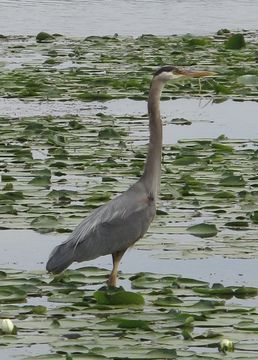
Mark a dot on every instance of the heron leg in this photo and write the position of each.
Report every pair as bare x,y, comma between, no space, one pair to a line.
116,256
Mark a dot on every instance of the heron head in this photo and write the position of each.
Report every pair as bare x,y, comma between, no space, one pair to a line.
167,73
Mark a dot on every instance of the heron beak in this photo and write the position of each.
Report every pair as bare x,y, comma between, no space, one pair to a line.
196,74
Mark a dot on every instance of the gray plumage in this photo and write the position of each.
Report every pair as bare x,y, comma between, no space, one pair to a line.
112,227
117,225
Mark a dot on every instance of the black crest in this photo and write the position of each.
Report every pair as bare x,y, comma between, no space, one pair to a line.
165,69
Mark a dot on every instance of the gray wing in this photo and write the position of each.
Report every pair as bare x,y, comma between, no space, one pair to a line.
112,227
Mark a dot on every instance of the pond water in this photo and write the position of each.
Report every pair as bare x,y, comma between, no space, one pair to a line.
208,120
126,17
229,259
37,247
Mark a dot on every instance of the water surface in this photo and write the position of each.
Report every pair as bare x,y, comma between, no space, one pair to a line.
27,250
126,17
236,120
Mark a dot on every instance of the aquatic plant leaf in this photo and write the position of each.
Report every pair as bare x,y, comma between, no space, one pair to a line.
83,164
244,292
232,180
237,224
162,354
225,148
34,127
11,294
168,301
132,324
203,230
71,297
248,80
224,195
7,209
44,37
39,310
197,41
7,178
235,42
44,223
40,180
186,160
216,290
254,216
108,133
122,297
181,121
12,195
247,326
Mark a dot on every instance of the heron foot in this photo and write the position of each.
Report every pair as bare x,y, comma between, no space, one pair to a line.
116,256
112,280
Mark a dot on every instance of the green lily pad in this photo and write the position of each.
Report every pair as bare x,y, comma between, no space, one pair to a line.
7,209
132,324
7,178
168,301
11,294
235,42
108,133
40,181
186,160
254,216
203,230
248,80
44,223
44,37
162,354
120,297
233,180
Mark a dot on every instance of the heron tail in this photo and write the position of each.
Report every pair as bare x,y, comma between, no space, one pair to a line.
60,258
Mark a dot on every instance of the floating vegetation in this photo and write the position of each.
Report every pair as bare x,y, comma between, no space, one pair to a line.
90,69
44,37
166,311
235,42
45,192
56,169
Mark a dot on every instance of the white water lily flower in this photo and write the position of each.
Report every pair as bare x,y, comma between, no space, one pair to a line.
226,345
7,326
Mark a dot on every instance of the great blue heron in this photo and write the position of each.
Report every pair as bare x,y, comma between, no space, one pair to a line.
114,227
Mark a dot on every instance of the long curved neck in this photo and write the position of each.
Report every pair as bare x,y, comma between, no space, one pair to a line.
152,170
